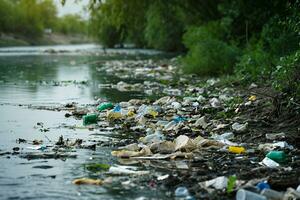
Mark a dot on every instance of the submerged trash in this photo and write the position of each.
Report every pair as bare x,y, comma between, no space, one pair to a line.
90,119
82,181
123,170
94,167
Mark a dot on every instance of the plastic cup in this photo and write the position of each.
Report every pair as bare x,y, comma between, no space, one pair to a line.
247,195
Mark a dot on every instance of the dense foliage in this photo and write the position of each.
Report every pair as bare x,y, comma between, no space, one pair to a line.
258,40
30,18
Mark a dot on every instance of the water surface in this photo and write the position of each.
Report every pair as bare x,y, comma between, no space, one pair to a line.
31,76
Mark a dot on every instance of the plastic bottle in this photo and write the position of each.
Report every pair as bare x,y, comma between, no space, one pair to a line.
272,194
90,119
247,195
104,106
278,156
238,150
263,185
178,119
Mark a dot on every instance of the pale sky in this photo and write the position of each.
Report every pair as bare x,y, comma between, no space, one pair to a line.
72,7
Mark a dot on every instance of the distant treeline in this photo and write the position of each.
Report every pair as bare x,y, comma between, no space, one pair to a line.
33,18
256,39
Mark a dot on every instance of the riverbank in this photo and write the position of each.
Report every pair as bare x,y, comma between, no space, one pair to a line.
7,40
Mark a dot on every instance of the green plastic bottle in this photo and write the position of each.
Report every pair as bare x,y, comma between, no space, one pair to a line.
90,119
104,106
277,156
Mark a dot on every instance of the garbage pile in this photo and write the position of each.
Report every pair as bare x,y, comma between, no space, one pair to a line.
174,129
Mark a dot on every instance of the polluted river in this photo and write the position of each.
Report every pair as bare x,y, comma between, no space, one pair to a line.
81,122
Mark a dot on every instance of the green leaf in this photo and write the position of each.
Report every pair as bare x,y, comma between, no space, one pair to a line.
231,183
95,167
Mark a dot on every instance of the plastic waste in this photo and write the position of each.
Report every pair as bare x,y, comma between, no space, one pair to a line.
247,195
298,188
181,192
164,147
115,113
277,156
144,110
218,183
201,122
200,98
183,142
215,103
275,136
163,177
88,181
283,144
104,106
291,194
239,128
127,153
130,113
170,126
155,137
178,119
181,164
176,105
119,170
227,135
39,147
269,163
90,119
117,108
263,185
236,149
149,131
272,194
252,98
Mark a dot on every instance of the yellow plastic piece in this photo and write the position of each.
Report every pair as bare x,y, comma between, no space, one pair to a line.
237,150
114,115
252,98
130,113
153,113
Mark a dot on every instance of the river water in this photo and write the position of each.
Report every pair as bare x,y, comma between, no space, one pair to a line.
35,76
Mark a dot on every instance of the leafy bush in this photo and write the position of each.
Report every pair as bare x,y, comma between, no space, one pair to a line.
208,54
287,75
254,64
